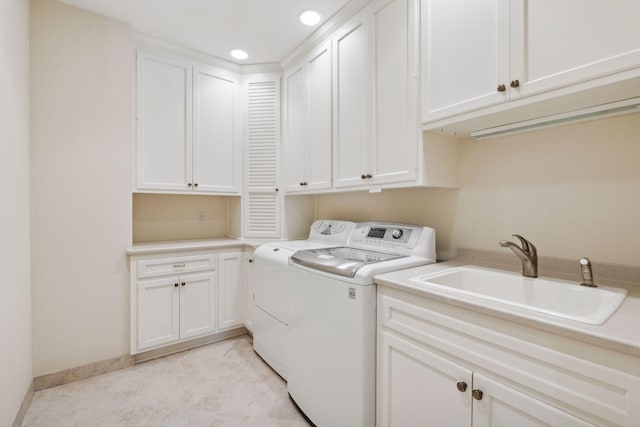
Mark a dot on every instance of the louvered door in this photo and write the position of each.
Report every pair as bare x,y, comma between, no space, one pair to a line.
262,207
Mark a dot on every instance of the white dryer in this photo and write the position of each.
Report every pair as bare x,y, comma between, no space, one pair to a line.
272,288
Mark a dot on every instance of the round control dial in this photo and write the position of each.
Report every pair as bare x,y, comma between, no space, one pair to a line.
397,233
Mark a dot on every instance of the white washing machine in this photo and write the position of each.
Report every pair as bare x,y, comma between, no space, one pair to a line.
332,325
272,288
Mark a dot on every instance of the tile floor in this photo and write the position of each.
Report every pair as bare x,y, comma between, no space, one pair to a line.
222,384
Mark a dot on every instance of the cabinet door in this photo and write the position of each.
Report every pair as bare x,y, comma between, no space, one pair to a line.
351,103
294,143
395,141
158,311
230,290
465,55
163,123
318,119
501,405
555,44
420,388
216,142
262,205
249,280
197,304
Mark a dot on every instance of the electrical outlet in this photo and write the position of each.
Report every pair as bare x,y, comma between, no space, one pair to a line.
202,217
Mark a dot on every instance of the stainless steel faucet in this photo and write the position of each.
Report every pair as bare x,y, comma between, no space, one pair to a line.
527,254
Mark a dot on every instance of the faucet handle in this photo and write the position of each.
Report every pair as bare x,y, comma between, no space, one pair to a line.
527,246
587,273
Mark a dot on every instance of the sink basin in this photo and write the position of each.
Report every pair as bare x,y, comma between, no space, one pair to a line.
560,298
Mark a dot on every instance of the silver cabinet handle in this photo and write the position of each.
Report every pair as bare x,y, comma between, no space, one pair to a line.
183,265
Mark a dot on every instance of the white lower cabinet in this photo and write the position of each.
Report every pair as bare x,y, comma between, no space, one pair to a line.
418,387
180,296
423,388
231,291
197,304
436,369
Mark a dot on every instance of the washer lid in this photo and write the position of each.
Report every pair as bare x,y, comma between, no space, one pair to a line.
344,261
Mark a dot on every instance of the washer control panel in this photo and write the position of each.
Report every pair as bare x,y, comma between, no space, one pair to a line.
393,236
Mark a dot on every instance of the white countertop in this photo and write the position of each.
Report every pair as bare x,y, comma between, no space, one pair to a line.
187,245
621,332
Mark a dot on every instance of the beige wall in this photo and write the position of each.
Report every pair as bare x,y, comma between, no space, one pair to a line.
159,217
82,75
15,300
573,190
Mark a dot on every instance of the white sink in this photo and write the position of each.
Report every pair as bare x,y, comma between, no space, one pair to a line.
560,298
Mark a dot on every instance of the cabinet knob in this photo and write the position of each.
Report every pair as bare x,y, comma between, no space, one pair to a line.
369,176
477,394
175,284
363,176
502,88
277,189
462,386
195,185
183,283
189,184
515,83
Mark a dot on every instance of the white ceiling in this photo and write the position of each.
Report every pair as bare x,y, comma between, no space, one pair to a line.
267,29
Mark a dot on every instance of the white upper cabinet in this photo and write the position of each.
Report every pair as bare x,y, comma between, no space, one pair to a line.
187,127
376,132
318,116
216,131
307,141
294,144
351,103
163,123
394,157
465,55
357,97
482,53
555,44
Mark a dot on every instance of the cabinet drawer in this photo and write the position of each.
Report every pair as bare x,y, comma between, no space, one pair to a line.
175,265
576,382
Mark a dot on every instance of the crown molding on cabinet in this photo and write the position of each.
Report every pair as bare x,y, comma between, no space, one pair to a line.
145,41
324,31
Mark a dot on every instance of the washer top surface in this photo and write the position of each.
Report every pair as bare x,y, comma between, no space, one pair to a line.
341,260
372,248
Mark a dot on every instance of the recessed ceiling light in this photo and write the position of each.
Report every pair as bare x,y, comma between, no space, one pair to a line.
310,17
239,54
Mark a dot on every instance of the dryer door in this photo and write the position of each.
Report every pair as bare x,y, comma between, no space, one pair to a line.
272,281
